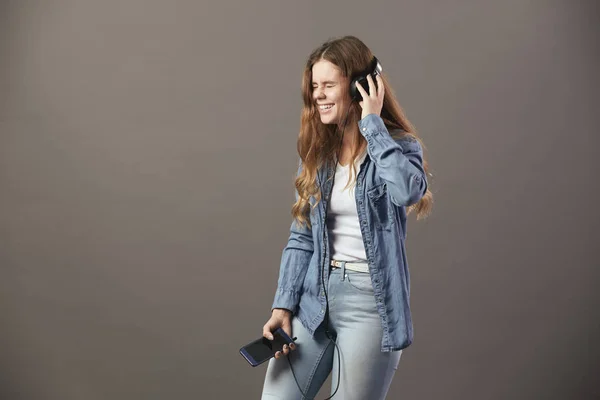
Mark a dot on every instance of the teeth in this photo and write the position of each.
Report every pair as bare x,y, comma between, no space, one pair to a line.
326,107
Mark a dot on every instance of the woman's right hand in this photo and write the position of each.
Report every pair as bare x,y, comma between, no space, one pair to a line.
280,318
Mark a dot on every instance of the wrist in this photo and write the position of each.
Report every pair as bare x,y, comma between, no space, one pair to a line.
366,114
281,311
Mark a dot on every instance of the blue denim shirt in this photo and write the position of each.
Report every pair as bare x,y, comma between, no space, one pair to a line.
391,178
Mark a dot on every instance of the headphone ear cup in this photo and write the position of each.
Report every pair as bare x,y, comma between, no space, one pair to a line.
362,80
354,93
354,90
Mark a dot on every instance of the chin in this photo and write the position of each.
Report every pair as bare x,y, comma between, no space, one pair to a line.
328,121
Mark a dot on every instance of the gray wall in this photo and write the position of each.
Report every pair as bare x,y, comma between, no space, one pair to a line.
147,155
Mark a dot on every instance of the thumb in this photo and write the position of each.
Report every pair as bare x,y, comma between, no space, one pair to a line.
267,331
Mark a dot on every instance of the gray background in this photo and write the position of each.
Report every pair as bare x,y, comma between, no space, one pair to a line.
147,155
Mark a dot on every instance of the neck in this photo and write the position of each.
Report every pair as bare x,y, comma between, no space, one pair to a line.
350,136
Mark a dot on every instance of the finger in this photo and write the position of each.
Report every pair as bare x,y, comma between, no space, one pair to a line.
277,354
286,350
372,90
380,87
292,346
361,90
267,331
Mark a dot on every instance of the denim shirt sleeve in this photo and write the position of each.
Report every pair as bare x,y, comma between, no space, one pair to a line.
399,162
294,263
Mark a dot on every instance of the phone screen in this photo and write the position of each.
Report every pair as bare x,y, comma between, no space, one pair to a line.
263,349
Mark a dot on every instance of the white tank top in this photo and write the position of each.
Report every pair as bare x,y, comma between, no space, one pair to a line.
345,237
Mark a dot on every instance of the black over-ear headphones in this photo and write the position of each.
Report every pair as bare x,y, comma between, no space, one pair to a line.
374,70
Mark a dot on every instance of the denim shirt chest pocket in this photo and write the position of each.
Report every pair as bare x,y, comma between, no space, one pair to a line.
381,207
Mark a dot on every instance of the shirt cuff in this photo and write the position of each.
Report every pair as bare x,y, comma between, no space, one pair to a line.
371,124
285,299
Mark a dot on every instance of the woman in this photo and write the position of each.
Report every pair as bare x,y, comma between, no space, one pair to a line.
354,188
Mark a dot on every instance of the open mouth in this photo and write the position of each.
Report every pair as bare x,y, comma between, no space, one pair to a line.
325,107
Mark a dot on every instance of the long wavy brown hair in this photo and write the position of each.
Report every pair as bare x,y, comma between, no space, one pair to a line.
318,143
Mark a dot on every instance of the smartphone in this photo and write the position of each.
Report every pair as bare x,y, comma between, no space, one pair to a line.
260,350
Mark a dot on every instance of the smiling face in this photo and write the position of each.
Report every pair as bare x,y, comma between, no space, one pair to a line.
330,92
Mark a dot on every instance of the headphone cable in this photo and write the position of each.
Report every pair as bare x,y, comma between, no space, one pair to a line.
327,333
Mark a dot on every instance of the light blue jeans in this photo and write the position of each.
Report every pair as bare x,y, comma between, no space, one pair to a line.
365,372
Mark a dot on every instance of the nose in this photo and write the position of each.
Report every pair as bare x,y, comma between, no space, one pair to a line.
319,93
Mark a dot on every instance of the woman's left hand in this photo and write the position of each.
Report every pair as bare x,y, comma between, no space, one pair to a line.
372,103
